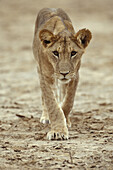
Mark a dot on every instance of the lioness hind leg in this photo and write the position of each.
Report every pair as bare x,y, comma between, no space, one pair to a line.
68,121
62,99
45,117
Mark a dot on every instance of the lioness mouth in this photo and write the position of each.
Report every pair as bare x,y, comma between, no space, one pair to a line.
64,80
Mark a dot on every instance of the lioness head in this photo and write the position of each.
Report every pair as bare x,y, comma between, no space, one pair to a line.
64,51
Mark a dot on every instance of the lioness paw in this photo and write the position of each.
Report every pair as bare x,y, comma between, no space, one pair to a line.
54,135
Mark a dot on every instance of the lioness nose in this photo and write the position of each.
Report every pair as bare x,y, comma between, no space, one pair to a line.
64,73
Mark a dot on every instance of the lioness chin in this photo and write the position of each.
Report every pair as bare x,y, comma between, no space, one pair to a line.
58,50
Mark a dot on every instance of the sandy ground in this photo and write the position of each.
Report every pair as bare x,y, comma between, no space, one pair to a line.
23,143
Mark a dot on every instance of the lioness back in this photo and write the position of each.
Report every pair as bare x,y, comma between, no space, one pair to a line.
52,15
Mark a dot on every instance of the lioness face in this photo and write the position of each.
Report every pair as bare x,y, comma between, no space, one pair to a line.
64,51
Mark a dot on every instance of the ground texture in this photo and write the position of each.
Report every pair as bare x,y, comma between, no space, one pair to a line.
23,143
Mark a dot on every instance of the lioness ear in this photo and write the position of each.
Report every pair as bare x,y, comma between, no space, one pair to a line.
46,37
83,37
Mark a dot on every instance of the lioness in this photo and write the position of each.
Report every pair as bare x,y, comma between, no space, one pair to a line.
58,50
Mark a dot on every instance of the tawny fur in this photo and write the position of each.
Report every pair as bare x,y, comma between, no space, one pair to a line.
53,46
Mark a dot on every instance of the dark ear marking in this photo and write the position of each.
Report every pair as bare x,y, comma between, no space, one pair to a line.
47,42
83,37
83,41
46,37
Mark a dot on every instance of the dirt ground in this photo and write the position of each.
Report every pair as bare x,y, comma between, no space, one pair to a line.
23,143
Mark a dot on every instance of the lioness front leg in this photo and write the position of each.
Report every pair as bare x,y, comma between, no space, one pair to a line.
69,99
58,122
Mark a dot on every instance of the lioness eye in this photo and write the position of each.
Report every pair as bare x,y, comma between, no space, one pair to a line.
56,53
73,53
